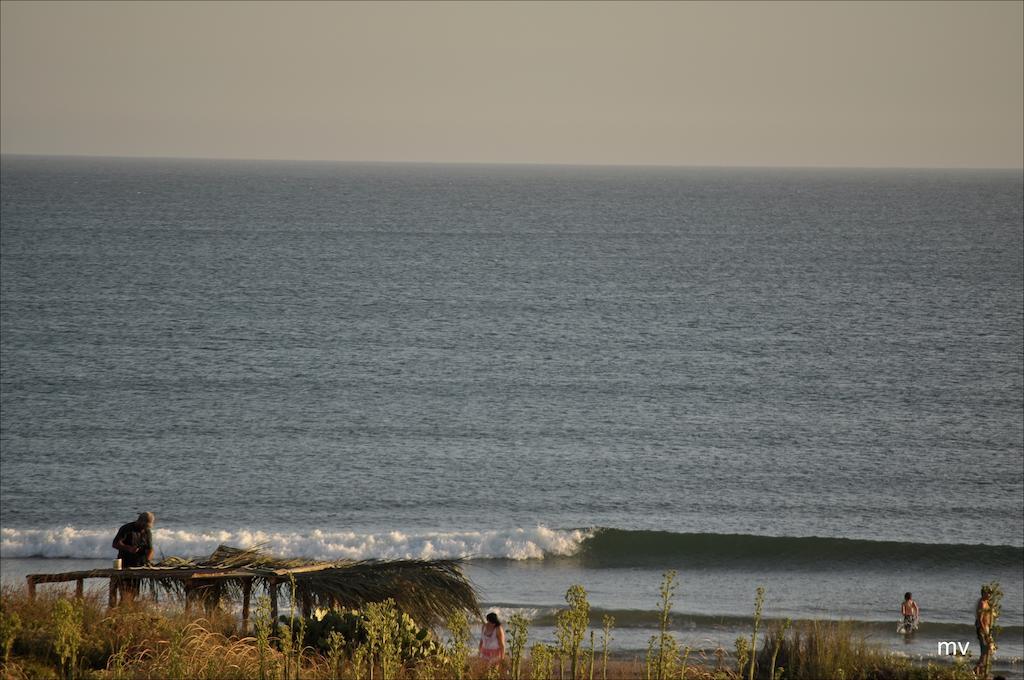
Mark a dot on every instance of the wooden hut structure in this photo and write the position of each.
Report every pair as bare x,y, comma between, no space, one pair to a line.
427,590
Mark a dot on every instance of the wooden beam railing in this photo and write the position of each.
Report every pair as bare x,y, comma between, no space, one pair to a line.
192,578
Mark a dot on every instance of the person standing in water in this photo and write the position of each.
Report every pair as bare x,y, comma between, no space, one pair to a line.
983,627
911,614
492,640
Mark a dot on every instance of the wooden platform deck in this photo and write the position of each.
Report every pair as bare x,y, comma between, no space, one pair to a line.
429,591
193,580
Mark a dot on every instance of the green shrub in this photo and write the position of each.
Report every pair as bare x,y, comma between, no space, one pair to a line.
518,633
458,646
10,626
662,650
67,634
758,608
572,626
606,639
542,658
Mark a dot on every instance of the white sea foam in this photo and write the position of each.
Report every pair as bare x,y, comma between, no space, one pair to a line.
506,612
513,544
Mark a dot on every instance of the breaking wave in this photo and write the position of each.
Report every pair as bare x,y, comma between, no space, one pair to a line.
512,544
593,547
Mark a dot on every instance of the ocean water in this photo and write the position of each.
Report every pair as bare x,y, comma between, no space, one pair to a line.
809,380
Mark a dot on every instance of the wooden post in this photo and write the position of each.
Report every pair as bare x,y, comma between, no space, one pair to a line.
211,595
272,587
246,597
188,596
306,603
79,588
112,595
31,582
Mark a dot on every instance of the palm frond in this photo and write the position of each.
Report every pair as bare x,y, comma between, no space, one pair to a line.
429,591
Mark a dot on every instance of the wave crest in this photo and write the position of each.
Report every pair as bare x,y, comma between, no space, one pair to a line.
592,547
512,544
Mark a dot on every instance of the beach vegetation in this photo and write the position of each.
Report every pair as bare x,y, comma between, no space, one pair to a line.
335,652
57,636
518,636
10,626
175,655
588,658
682,662
773,670
67,634
262,625
571,628
292,644
457,652
607,623
118,663
742,655
810,650
662,650
542,662
758,609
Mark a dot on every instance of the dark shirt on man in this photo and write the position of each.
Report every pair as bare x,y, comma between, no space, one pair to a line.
131,534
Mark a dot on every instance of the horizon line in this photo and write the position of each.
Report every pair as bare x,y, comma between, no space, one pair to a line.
513,163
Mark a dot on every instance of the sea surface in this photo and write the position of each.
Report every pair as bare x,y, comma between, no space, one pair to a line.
807,380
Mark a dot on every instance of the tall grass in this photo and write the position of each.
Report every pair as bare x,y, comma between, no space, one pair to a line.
772,667
383,628
518,636
68,618
811,650
608,622
542,662
758,608
57,636
335,652
572,624
458,647
10,627
663,651
263,627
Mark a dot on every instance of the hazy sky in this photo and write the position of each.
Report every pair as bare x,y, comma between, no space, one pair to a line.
862,84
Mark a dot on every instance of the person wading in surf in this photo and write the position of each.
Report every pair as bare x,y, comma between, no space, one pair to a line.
911,614
983,627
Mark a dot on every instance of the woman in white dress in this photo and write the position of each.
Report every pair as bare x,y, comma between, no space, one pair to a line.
492,639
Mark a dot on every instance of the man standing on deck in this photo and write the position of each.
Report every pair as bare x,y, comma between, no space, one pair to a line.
134,541
134,545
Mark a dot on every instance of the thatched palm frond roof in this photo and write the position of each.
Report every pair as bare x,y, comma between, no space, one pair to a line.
429,591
